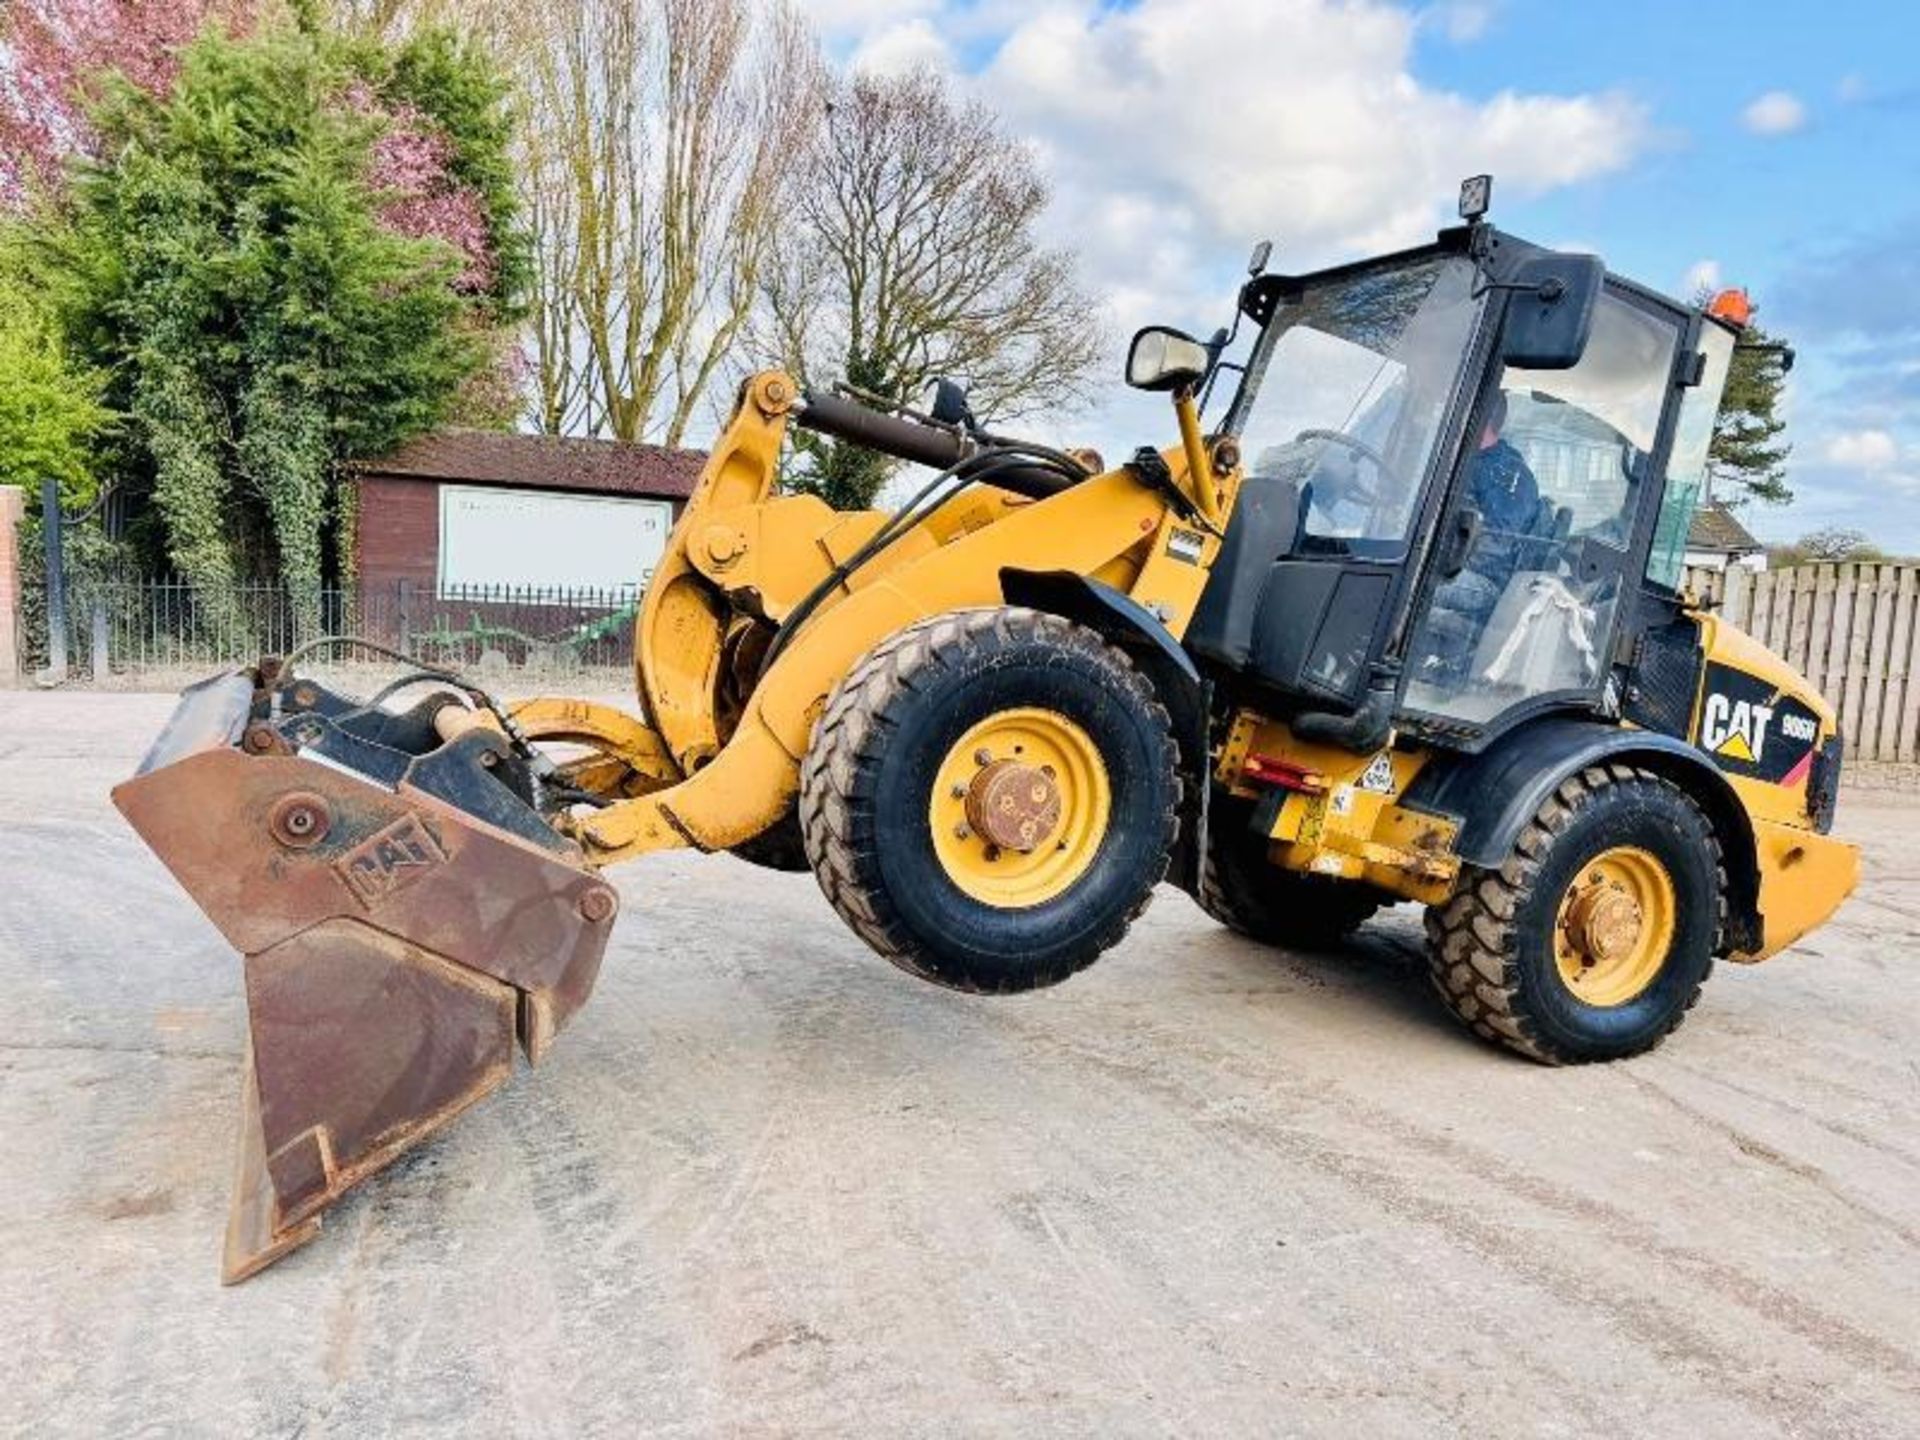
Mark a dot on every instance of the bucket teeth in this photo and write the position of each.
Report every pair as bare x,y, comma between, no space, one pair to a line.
398,938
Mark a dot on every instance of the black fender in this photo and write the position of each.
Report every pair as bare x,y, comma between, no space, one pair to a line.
1123,621
1493,795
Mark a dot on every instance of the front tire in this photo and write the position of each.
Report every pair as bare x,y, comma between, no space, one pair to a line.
1592,940
990,797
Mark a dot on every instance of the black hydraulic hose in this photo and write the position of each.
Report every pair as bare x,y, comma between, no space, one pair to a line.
943,450
423,670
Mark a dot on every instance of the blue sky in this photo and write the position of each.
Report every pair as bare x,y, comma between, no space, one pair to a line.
1771,145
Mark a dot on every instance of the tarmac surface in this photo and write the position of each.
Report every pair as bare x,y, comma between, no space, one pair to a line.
766,1184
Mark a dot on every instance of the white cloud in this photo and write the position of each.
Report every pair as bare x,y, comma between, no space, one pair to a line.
1177,132
1778,112
1871,450
1310,128
898,49
1701,275
1309,123
852,17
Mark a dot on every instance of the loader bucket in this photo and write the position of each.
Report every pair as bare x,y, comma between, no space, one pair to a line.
403,914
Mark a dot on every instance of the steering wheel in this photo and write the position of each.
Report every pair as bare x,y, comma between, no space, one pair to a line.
1364,493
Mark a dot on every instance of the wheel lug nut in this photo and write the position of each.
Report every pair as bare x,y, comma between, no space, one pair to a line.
983,756
959,791
962,831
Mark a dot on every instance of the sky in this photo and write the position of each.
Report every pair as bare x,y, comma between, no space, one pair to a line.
1772,144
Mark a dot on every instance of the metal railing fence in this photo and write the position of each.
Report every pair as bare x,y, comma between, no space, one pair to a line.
129,632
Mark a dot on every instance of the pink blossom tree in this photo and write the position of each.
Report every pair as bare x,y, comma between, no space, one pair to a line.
410,171
52,56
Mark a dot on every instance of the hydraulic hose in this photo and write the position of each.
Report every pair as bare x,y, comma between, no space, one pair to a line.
855,423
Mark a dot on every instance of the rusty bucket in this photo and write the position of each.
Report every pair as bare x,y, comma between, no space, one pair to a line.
403,911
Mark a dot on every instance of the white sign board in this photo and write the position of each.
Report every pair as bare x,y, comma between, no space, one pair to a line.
533,539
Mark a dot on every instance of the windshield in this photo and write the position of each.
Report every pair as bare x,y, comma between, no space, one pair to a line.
1346,390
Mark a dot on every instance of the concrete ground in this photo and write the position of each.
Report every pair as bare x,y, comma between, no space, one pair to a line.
767,1184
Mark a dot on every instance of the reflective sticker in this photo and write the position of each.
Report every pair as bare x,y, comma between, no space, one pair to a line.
1378,776
1341,801
1185,545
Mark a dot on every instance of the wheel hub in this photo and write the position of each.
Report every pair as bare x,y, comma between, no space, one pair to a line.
1019,807
1604,923
1013,805
1615,926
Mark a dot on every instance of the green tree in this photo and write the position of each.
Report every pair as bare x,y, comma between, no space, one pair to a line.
298,256
1747,459
52,414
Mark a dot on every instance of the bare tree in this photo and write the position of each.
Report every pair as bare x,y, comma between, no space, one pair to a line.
656,145
1831,546
913,253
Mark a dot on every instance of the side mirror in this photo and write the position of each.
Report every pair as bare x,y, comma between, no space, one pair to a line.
946,401
1164,359
1551,313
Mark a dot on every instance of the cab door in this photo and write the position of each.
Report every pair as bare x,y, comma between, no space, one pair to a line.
1545,534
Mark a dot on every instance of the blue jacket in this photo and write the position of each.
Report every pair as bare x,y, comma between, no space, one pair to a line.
1507,496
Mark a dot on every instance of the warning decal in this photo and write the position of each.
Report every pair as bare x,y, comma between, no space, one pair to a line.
1378,776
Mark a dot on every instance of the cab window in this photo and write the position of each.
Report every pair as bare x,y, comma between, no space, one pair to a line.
1553,485
1353,376
1687,465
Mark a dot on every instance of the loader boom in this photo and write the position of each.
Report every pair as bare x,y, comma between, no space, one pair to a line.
736,553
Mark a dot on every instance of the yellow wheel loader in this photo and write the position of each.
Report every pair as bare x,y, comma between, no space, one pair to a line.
1399,619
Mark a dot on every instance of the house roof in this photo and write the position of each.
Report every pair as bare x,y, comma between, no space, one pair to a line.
1717,530
543,462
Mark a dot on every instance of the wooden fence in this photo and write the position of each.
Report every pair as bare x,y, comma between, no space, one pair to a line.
1853,630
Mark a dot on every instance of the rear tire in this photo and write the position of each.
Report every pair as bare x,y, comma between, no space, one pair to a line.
927,715
1509,953
1248,893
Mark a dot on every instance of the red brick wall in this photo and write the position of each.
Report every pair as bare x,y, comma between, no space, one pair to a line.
13,508
399,533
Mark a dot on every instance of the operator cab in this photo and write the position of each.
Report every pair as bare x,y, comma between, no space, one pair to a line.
1467,467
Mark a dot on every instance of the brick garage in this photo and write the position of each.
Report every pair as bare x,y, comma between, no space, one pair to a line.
403,497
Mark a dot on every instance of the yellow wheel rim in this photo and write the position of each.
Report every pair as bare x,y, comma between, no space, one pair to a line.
1615,926
1019,807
